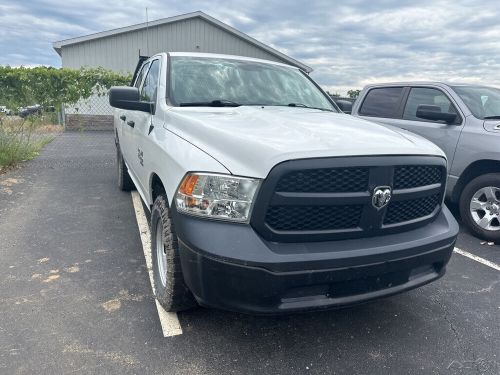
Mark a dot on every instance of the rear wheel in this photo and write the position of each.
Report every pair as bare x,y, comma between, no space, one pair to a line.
125,183
171,291
480,206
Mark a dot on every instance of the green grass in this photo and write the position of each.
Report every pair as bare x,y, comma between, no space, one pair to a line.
20,141
14,150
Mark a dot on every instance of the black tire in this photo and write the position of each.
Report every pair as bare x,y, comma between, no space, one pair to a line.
174,295
492,179
125,183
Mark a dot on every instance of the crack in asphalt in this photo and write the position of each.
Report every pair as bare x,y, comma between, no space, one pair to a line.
464,348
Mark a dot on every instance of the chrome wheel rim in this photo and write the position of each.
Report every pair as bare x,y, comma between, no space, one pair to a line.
485,208
161,256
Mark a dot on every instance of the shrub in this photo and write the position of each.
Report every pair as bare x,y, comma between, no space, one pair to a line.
21,139
50,86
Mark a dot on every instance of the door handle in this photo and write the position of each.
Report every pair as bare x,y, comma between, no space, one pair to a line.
131,124
123,117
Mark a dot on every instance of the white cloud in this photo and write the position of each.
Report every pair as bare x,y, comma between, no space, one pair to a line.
348,45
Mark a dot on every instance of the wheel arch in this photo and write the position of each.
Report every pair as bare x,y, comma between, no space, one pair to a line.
473,170
156,187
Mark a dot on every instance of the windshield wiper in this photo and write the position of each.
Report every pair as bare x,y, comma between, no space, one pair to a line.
497,117
213,103
306,106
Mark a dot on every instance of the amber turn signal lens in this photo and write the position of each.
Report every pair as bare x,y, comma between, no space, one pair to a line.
188,184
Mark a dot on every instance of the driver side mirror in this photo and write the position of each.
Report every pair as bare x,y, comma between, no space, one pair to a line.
433,113
125,97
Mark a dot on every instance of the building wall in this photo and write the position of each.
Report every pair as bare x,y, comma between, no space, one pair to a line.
120,52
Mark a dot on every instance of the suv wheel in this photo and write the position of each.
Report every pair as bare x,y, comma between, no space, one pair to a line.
125,183
171,291
480,206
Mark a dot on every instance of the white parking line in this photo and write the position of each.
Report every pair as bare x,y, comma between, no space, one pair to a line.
477,259
169,321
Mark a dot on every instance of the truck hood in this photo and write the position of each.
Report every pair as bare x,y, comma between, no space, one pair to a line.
250,141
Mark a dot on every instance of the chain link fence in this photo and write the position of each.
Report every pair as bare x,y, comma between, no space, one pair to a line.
93,113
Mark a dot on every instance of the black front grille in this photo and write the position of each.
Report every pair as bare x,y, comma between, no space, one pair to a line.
332,198
296,218
328,180
412,176
399,212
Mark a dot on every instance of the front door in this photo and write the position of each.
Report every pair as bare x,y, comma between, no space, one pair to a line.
128,118
145,123
443,134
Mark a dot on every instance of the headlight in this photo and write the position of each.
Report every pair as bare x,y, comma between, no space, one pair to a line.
217,196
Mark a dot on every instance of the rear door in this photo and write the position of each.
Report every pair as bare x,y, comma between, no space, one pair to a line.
382,104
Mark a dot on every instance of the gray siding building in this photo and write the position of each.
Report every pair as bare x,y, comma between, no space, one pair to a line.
119,50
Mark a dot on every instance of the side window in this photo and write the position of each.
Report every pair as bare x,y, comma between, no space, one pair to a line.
427,96
381,102
141,74
150,86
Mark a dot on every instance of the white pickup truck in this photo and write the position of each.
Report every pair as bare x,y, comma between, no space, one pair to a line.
265,198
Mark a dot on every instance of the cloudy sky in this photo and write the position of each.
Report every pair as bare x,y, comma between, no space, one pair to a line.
349,43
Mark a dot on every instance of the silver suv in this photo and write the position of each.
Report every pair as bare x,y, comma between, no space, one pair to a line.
464,121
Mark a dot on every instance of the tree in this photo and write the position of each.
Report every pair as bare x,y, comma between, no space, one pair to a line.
353,93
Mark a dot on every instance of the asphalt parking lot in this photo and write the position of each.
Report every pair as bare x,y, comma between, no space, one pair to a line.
75,295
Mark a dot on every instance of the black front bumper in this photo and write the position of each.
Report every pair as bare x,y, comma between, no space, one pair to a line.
229,266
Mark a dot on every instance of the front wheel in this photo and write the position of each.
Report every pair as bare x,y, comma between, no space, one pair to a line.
171,291
480,206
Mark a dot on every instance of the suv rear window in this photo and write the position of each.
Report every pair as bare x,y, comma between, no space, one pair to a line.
381,102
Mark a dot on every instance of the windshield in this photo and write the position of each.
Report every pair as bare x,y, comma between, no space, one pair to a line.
225,82
483,102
